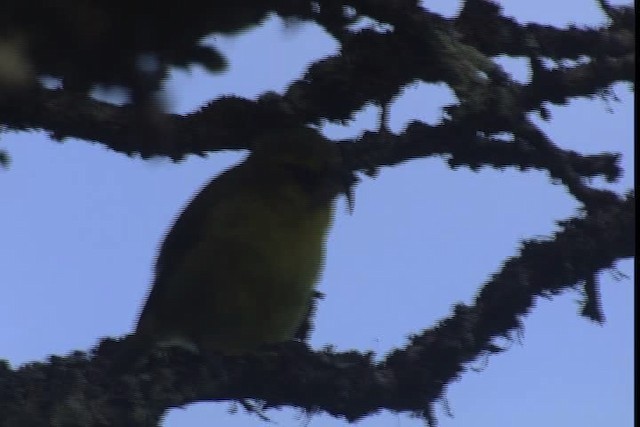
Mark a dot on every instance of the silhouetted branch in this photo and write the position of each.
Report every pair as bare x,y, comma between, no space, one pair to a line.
78,390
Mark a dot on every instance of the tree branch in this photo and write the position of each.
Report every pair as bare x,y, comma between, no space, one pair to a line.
79,390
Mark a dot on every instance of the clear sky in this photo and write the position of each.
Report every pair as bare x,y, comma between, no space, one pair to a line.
81,226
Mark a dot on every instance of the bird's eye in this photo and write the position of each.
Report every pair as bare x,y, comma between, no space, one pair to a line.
306,177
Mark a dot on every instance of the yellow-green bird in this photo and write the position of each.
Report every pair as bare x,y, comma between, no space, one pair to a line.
238,268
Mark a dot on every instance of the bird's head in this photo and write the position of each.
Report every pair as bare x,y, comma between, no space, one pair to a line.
308,157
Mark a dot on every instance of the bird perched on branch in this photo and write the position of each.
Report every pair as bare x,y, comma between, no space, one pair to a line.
238,268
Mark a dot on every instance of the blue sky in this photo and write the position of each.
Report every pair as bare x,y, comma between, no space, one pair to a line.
81,226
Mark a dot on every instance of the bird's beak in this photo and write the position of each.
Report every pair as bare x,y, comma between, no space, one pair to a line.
348,182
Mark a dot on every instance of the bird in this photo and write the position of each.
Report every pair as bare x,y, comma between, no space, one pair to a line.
238,268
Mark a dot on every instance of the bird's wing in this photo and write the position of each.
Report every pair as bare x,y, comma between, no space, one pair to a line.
186,232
